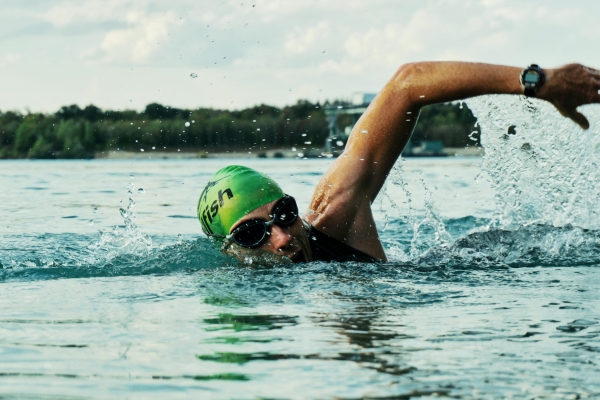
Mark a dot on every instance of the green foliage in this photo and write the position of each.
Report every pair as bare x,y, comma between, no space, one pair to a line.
73,132
453,124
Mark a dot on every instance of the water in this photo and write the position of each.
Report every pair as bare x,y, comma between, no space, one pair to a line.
491,289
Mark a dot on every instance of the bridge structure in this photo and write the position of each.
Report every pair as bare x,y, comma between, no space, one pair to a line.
338,136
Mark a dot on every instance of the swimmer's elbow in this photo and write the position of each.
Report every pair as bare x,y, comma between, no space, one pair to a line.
407,82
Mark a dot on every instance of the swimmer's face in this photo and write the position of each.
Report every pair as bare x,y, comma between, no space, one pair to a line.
290,242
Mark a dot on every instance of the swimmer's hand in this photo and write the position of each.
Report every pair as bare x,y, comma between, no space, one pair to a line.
569,87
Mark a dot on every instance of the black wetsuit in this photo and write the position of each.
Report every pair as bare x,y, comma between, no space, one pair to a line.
326,248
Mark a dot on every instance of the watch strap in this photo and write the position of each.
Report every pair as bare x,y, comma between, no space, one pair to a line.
529,92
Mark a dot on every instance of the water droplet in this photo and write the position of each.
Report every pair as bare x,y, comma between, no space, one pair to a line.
95,210
141,191
131,176
304,134
130,188
365,131
282,217
123,212
307,142
187,124
314,238
141,149
339,143
193,75
91,222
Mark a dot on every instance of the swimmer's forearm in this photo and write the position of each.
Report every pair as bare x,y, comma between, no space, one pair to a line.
425,83
420,84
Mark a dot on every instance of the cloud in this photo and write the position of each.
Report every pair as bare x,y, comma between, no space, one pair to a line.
137,37
302,40
9,59
253,51
138,42
83,12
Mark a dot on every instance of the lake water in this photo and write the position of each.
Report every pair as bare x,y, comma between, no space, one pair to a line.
491,290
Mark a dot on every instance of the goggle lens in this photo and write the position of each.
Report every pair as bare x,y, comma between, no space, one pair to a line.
252,233
285,212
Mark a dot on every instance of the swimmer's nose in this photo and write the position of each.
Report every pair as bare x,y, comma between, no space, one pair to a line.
280,238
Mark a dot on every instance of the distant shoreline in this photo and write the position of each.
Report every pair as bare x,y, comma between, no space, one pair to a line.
475,151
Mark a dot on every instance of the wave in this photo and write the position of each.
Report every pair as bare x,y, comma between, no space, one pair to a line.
66,256
485,248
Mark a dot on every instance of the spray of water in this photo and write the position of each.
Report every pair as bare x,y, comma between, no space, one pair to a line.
123,240
543,167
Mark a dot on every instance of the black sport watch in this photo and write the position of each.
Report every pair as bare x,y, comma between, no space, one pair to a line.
532,79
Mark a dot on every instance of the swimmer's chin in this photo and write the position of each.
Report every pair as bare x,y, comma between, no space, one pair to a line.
260,257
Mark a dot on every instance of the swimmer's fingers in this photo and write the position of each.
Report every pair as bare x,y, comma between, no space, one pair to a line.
579,119
572,86
592,71
590,85
575,116
597,87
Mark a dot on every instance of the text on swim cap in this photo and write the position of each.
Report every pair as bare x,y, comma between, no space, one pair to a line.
209,214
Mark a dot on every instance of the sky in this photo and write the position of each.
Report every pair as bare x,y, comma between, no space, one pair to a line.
119,54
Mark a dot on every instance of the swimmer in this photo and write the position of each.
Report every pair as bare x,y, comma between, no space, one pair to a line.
249,215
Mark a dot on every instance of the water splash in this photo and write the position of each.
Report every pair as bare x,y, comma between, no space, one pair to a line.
427,229
543,167
123,240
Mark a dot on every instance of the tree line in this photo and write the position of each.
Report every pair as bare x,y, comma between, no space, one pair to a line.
73,132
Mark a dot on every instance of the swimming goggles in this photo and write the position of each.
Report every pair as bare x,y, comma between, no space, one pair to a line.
252,233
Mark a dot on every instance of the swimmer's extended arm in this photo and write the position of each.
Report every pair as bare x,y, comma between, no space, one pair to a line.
341,204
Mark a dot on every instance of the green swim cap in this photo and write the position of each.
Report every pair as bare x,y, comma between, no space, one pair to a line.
231,193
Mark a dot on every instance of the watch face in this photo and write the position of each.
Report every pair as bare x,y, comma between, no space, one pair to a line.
531,77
